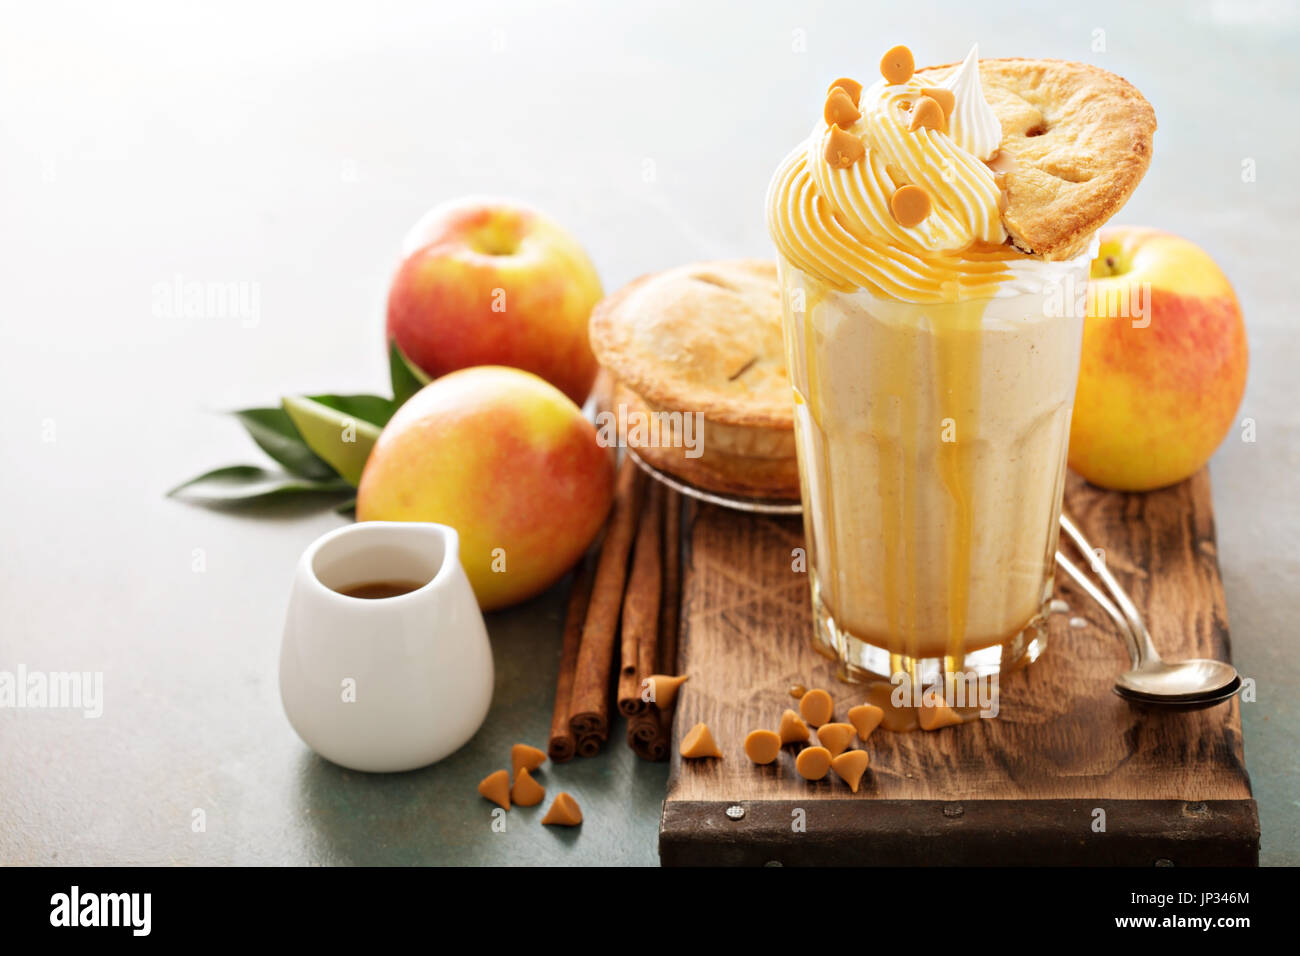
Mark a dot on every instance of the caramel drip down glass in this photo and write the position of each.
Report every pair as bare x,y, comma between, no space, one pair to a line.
932,442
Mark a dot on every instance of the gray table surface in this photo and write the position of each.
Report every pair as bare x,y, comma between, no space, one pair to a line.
288,147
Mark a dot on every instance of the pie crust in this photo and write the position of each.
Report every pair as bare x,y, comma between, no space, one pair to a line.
1081,140
706,338
735,459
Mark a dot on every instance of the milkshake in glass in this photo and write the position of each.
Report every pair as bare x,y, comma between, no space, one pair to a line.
933,366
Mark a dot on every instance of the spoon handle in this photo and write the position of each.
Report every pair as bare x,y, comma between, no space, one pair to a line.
1099,596
1146,649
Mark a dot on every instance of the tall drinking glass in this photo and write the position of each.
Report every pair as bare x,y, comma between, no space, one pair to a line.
932,442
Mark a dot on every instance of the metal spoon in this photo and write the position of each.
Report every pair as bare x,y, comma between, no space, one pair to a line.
1191,683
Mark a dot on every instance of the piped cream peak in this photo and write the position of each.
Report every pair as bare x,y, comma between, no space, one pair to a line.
973,126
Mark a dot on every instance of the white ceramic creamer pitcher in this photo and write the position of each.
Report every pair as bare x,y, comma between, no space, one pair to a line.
392,683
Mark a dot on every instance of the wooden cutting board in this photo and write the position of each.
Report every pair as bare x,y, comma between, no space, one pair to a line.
1024,788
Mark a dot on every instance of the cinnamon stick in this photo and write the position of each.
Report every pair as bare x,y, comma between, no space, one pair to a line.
589,720
562,743
640,627
645,736
670,619
647,658
650,733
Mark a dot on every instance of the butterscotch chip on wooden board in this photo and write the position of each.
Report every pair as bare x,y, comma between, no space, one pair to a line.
564,812
793,730
813,763
835,737
699,742
496,787
762,746
936,716
526,792
525,757
865,718
816,707
663,689
851,766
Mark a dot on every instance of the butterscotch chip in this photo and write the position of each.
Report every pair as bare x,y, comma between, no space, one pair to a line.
792,729
526,792
663,689
865,718
835,737
910,205
839,109
929,114
797,690
939,715
944,98
843,149
699,742
897,65
851,766
851,87
524,757
564,812
496,787
816,707
762,746
813,763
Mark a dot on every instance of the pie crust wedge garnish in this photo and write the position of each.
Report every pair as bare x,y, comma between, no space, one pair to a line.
1081,141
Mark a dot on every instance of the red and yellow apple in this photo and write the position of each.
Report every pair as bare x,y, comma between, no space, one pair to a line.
509,462
494,282
1164,362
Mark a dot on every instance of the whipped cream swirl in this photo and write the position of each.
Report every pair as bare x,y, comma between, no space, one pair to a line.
835,222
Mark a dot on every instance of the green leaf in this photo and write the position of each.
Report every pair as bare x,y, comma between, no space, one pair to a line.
348,507
335,427
240,484
374,409
407,377
275,434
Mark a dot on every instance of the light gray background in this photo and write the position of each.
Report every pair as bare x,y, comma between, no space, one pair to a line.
289,146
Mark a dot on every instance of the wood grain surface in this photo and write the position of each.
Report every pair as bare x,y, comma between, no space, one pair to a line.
1061,734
